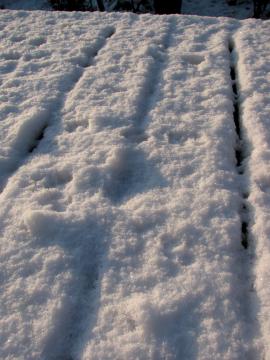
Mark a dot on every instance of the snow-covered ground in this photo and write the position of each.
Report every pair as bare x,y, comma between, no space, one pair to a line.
129,185
253,63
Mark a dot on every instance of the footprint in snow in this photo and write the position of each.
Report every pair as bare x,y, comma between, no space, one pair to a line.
37,41
134,135
10,55
8,67
17,38
193,59
180,137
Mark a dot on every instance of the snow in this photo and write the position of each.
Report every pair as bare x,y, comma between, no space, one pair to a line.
254,102
121,204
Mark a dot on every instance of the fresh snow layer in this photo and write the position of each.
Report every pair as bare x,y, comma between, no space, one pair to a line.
254,86
121,203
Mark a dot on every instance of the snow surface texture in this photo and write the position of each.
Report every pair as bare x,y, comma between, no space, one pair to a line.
254,86
242,10
121,203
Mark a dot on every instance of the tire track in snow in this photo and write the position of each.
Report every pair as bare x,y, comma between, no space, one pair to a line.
136,132
33,130
130,165
240,153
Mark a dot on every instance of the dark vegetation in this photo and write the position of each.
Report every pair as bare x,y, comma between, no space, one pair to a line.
137,6
240,146
72,5
259,7
143,6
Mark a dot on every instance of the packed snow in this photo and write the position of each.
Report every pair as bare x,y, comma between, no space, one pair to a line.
122,202
254,85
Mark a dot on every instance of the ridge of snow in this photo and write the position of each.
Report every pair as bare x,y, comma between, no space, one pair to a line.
254,85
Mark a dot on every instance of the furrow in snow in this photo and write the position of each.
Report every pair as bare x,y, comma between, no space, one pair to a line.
67,220
22,140
131,164
242,154
240,145
172,280
120,240
253,58
49,322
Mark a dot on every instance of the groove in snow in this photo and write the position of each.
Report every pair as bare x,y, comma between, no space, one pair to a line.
31,132
130,164
239,151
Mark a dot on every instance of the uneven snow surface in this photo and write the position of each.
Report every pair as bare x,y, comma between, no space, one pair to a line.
135,187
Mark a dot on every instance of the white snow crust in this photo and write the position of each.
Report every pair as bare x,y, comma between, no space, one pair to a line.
121,202
253,58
